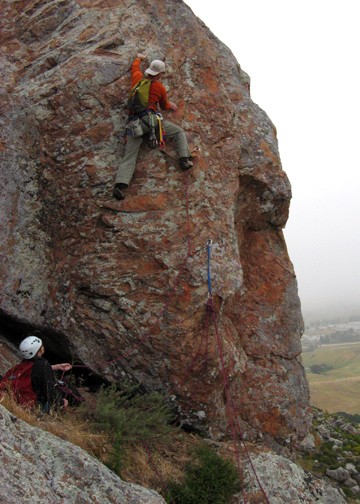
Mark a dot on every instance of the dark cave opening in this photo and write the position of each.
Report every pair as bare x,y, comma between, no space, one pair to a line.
58,348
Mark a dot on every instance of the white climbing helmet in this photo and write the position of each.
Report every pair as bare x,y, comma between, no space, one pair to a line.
155,67
30,346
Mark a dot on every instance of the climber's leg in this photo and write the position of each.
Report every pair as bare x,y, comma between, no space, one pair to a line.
177,134
128,163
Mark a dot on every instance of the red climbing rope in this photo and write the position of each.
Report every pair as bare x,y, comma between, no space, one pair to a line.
230,405
66,390
210,318
188,228
235,427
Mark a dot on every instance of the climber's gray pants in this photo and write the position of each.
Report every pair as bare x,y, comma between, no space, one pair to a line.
128,163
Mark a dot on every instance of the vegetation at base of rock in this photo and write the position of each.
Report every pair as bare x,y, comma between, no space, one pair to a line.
326,457
209,479
337,445
70,426
354,419
132,433
129,418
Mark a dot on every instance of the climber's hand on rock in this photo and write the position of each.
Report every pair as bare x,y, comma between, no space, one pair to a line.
173,106
141,55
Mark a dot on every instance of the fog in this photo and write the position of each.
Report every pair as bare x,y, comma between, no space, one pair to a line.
302,57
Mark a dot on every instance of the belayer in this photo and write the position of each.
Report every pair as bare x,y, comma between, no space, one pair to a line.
32,382
147,95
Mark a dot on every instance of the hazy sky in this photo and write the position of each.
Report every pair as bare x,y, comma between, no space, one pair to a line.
303,60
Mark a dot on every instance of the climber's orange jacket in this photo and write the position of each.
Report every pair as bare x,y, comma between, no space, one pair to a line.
157,94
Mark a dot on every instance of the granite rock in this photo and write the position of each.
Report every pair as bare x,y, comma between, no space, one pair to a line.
39,467
282,481
122,286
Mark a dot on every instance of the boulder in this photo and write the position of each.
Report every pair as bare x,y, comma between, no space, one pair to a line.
356,477
308,443
39,467
339,474
350,483
282,481
324,432
351,469
122,287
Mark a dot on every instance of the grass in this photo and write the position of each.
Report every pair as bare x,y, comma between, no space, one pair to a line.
339,388
209,479
70,426
131,434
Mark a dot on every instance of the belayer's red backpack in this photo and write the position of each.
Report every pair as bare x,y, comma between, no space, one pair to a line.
18,381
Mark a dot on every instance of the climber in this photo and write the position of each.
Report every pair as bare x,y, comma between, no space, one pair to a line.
156,98
32,381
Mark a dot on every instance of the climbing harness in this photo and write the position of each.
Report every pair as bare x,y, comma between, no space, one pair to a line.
134,128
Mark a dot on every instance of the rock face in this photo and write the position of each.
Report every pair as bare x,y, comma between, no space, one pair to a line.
7,355
38,467
282,482
122,286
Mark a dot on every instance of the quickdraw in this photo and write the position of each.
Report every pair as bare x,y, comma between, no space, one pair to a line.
161,130
153,139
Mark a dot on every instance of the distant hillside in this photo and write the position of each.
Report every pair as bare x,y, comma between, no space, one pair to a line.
335,384
331,314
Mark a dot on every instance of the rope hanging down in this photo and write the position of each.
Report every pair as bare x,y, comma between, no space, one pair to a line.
235,427
209,244
209,318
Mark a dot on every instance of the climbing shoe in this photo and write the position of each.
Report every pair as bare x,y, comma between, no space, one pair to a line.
118,193
186,163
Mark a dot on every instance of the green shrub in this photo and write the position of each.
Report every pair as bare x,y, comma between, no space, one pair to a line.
327,456
356,450
320,368
353,418
209,479
130,418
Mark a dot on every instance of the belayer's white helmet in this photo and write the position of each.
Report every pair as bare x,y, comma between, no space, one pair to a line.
30,346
